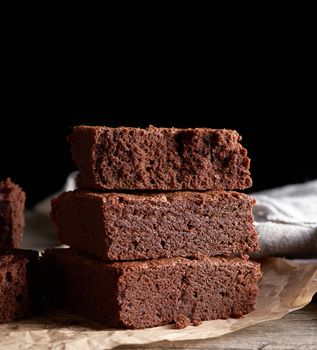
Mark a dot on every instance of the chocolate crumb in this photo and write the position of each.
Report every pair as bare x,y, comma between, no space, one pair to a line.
182,322
197,322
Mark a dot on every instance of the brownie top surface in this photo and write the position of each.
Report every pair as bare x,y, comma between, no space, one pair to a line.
149,128
164,196
146,264
154,129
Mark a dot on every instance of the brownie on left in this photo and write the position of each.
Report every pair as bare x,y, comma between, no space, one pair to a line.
19,287
12,200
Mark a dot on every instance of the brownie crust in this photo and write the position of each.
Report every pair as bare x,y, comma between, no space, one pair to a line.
143,294
19,290
159,159
118,226
12,200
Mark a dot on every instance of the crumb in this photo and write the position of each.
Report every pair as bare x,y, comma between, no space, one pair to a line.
182,322
196,322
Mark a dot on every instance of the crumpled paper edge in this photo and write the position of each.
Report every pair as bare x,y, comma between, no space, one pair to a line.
286,286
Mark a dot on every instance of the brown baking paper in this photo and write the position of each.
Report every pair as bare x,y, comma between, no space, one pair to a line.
286,286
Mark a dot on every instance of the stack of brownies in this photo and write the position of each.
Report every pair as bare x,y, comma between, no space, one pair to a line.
156,234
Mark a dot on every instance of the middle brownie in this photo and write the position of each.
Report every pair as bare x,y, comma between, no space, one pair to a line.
117,226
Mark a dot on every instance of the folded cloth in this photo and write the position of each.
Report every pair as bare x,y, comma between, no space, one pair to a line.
286,220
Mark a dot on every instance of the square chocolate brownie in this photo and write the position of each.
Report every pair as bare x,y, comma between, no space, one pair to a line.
118,226
159,159
151,293
19,284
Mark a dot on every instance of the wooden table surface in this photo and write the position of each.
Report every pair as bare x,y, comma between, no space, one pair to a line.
297,330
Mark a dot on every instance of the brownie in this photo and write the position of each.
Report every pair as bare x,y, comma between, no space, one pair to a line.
19,291
118,226
12,200
159,159
150,293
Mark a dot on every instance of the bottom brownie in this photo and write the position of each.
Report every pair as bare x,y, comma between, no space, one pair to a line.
142,294
19,293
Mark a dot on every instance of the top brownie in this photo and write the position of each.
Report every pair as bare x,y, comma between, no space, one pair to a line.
159,159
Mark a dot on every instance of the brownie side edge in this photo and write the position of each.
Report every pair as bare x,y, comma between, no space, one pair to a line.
80,223
83,142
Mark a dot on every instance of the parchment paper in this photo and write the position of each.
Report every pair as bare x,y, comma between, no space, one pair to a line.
286,286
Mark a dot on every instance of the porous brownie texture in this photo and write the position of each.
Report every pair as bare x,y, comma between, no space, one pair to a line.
150,293
12,200
19,284
159,159
118,226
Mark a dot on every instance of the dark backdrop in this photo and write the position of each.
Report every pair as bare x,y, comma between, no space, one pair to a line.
36,155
